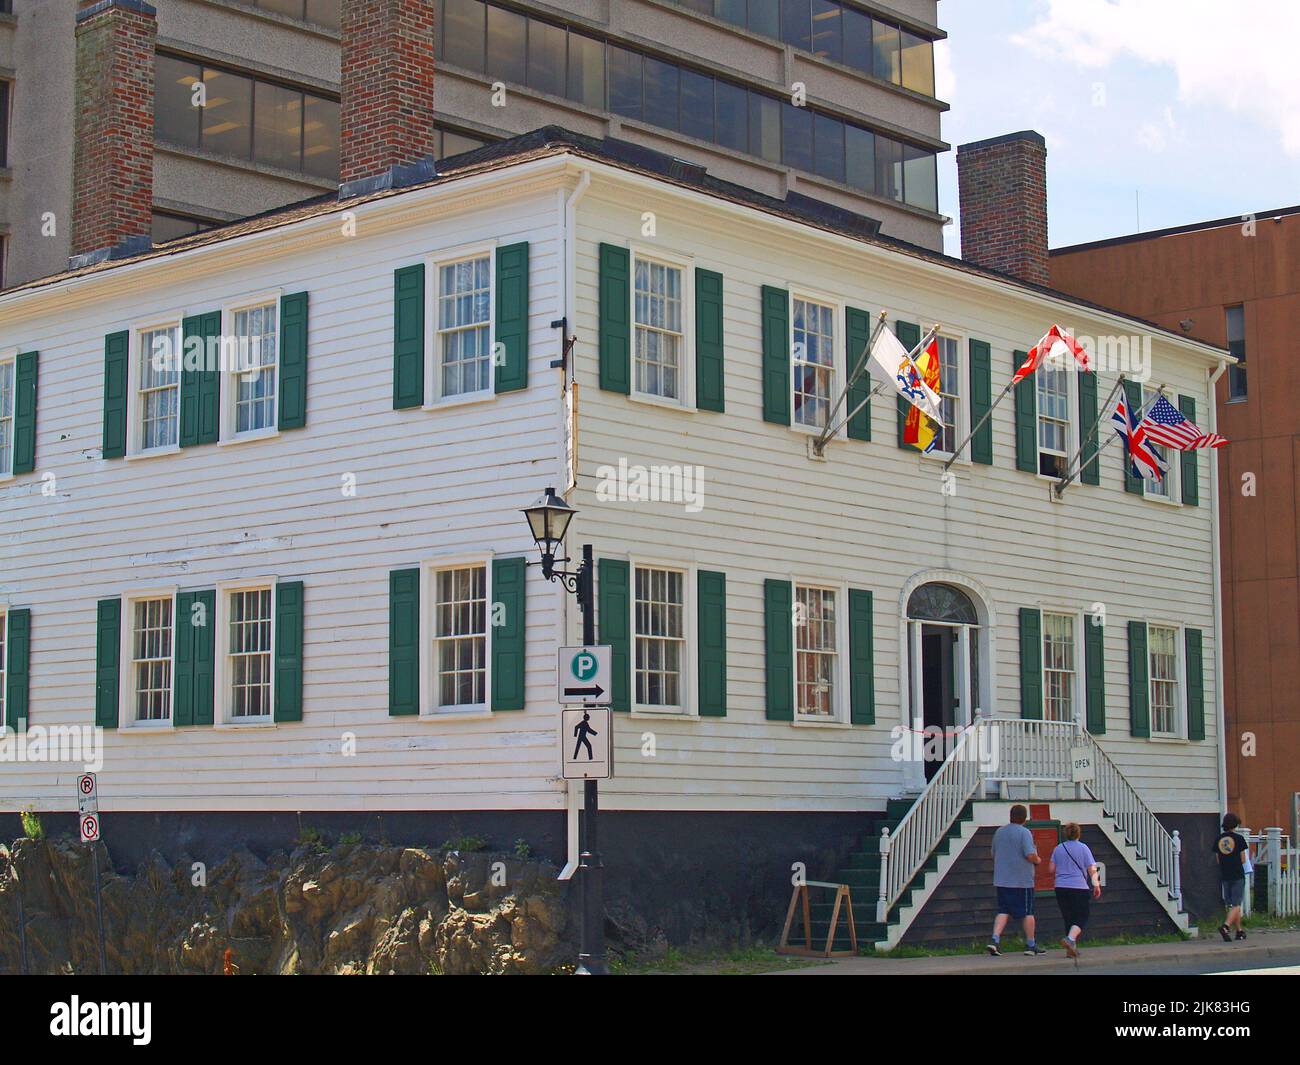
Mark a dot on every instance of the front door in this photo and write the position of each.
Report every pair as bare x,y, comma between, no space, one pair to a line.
939,701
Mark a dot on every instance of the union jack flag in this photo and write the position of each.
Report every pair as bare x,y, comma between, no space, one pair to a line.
1145,462
1165,424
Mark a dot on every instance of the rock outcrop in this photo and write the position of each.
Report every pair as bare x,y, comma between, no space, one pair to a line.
354,908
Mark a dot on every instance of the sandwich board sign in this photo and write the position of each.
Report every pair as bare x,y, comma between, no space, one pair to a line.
584,675
586,743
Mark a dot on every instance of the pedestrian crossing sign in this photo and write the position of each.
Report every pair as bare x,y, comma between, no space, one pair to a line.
586,743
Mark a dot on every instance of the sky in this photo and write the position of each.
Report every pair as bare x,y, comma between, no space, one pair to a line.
1157,113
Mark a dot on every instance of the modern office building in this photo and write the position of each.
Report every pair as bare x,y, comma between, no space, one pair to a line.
243,98
1235,282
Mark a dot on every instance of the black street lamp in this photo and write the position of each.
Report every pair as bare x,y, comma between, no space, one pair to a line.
548,521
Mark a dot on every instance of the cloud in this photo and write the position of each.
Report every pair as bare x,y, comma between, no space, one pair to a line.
945,78
1240,56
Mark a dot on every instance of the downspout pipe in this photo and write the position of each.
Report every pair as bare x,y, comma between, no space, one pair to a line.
1219,682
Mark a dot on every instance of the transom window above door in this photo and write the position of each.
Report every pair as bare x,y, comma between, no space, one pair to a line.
464,341
942,602
813,362
658,322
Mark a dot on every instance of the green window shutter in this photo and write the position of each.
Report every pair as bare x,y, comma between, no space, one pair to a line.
108,657
778,625
776,355
1031,663
1026,417
1089,431
116,349
857,335
293,361
1190,471
615,322
981,400
1094,675
1139,709
288,651
710,378
403,642
612,616
18,653
1133,397
408,338
196,639
909,335
711,595
1195,663
183,682
508,638
200,383
511,326
862,675
25,413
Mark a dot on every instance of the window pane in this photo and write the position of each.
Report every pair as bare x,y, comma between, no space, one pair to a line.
661,93
464,329
624,82
226,117
697,105
455,143
277,124
462,33
829,145
857,40
321,137
546,48
796,136
732,127
886,63
507,45
324,13
826,29
889,168
733,11
918,63
765,17
860,158
765,127
920,178
796,23
175,118
586,71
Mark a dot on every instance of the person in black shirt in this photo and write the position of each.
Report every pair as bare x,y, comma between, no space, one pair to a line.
1231,849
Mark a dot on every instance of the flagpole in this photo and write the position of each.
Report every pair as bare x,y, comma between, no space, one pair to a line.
826,434
971,435
821,443
1138,416
1092,433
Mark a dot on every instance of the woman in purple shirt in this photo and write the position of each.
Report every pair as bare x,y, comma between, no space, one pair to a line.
1077,884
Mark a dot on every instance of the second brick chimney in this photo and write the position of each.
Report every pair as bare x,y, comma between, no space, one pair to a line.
1003,195
386,127
112,168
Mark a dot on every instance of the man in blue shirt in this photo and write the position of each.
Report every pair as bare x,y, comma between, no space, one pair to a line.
1014,858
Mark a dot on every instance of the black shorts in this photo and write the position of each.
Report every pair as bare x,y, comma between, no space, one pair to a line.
1075,903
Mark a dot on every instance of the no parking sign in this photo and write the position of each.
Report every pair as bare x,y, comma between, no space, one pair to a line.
90,828
88,807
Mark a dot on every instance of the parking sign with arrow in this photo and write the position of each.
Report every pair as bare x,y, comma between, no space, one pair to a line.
585,675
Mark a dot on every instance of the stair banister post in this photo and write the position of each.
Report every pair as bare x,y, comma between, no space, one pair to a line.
1177,881
882,907
1275,871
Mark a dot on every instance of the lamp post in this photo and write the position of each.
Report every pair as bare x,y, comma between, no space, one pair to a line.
548,521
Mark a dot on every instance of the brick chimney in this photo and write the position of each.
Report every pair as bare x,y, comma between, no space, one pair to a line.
386,120
112,168
1003,193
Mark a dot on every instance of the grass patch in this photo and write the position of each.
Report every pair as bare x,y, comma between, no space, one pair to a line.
736,961
1209,926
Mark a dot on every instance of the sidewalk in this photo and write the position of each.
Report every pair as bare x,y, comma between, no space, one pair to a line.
1261,946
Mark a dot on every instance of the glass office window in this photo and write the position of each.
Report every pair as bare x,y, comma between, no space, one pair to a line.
697,105
889,168
661,93
463,25
828,147
860,158
175,118
1236,326
827,30
320,137
731,110
586,71
918,63
765,127
507,45
277,125
797,136
226,126
887,63
796,23
764,17
857,40
624,82
920,179
546,57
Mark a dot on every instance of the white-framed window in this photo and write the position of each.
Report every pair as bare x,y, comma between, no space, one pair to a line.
1166,489
251,386
459,640
462,348
659,327
818,685
950,394
1060,667
156,388
150,658
247,624
8,373
813,360
660,634
1164,680
1055,424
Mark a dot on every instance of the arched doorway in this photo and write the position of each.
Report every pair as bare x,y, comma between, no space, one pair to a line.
945,649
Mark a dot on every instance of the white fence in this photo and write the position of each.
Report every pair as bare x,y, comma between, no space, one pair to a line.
1274,854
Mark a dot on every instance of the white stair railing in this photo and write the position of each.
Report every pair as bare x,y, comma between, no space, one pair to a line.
925,824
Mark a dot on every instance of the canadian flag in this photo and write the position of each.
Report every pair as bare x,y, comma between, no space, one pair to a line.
1055,344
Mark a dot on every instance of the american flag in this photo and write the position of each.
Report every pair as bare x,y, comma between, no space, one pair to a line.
1165,424
1146,463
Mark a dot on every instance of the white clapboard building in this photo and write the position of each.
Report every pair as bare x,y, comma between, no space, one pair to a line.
301,590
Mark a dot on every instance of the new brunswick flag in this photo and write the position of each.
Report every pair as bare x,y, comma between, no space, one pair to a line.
920,430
